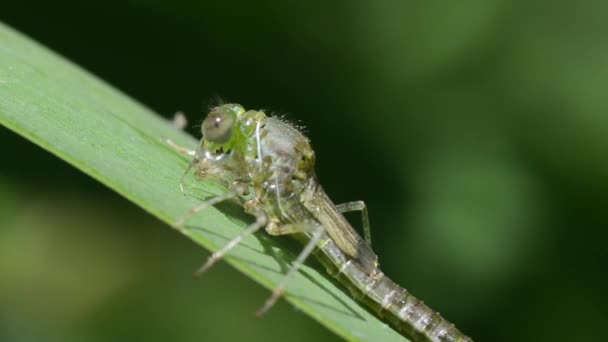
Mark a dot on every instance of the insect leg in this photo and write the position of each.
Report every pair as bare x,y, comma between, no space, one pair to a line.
204,205
182,150
179,149
260,222
289,228
308,249
354,206
179,120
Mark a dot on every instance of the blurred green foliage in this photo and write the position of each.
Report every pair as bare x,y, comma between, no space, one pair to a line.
475,131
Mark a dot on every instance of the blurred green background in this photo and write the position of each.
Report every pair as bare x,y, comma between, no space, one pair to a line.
476,131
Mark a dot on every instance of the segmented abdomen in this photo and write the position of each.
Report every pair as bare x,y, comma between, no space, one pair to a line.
389,300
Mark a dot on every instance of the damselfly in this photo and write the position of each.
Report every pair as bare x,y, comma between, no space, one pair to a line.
268,166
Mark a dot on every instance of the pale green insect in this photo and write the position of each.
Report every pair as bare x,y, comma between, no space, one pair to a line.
268,165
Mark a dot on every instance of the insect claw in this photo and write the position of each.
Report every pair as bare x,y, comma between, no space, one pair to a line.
259,314
210,262
276,294
198,273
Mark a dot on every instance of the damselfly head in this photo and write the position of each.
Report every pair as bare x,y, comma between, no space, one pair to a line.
218,126
228,146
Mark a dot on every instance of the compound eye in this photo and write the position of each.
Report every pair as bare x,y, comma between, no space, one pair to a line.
217,127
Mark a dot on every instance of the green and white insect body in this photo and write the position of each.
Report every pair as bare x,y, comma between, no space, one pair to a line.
268,165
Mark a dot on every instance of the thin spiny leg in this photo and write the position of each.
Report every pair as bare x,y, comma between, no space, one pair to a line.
278,192
280,289
190,166
182,150
355,206
289,228
204,205
179,149
259,143
259,223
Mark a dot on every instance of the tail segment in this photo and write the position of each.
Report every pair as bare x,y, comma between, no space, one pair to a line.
391,302
409,314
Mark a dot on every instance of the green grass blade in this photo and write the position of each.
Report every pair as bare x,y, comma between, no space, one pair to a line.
115,140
